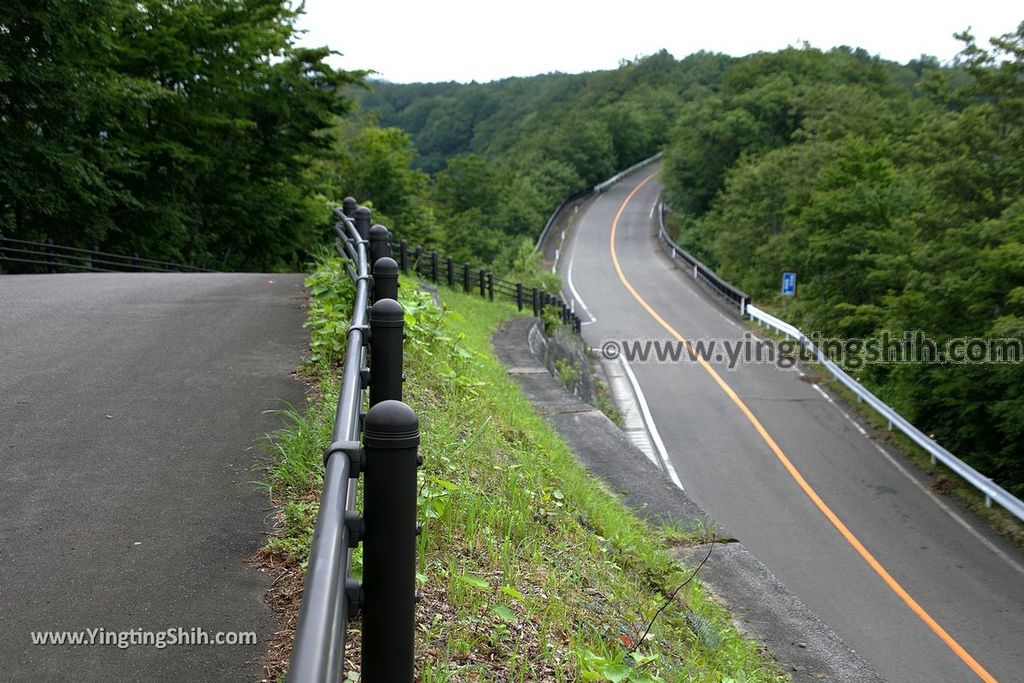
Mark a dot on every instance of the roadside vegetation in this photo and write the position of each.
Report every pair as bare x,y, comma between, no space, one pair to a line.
530,569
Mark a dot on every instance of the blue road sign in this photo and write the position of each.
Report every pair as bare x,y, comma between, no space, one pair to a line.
788,284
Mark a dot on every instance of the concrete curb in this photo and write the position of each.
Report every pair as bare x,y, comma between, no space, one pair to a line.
763,609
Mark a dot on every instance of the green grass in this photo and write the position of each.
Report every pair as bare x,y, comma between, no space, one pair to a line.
530,569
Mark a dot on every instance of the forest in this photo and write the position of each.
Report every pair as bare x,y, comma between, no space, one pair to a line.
893,190
176,130
199,131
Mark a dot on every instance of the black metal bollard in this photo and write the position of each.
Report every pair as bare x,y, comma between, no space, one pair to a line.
348,206
403,256
433,266
380,243
519,295
465,278
385,279
362,220
450,266
390,439
490,286
483,291
387,323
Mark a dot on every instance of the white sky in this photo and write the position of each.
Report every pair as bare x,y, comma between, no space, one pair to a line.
442,40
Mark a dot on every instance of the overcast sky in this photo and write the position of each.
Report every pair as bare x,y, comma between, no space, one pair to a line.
459,40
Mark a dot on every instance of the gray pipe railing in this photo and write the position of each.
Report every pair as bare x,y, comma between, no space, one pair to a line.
330,597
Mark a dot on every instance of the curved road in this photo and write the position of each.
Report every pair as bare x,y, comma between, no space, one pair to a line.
129,408
906,578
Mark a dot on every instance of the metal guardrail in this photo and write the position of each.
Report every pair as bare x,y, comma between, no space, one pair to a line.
992,491
52,258
388,458
601,187
554,215
699,271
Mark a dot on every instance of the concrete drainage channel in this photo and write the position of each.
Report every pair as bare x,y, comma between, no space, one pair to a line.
629,465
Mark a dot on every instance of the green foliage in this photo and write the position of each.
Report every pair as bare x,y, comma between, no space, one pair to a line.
331,292
177,130
566,371
897,195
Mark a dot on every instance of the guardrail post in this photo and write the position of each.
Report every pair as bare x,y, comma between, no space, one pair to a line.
450,266
349,206
385,279
387,323
433,266
93,256
362,221
390,439
519,295
490,286
380,243
465,278
483,293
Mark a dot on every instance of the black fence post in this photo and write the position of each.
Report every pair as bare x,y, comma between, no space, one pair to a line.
535,298
483,291
380,243
519,295
349,206
385,279
362,220
465,278
135,261
390,440
450,266
490,286
403,256
387,323
433,266
93,257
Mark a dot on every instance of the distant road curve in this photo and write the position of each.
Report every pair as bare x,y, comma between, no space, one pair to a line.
737,437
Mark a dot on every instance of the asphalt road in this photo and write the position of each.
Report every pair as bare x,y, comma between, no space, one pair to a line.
130,410
966,581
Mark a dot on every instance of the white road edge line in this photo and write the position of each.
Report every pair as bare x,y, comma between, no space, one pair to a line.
652,429
576,295
924,489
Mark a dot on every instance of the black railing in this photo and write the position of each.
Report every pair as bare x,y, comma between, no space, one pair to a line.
47,257
443,270
382,443
387,455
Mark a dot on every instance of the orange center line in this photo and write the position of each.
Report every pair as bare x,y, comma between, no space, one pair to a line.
843,530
